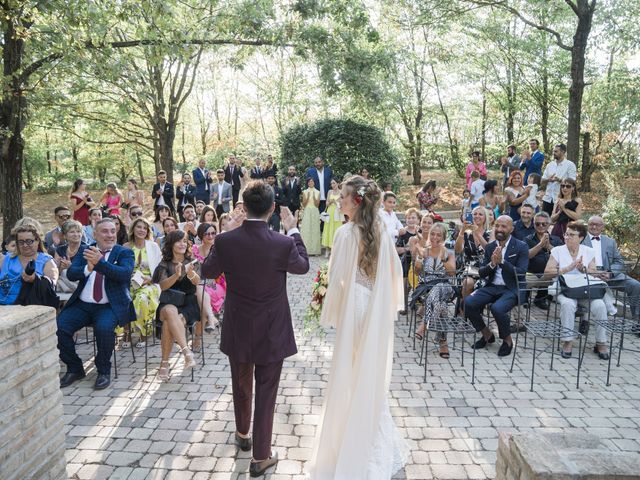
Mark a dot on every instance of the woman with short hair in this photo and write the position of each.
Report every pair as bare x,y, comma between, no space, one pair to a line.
73,232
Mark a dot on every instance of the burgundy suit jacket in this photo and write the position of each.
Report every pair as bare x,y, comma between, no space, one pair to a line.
257,325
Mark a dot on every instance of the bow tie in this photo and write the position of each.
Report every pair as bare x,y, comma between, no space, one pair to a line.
595,238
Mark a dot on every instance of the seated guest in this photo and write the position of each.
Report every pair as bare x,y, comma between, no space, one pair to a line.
95,214
540,245
72,231
224,222
610,262
176,272
471,241
121,229
9,245
162,212
412,218
144,292
190,224
199,207
208,215
14,274
215,290
504,268
524,227
135,211
169,225
54,237
570,259
102,299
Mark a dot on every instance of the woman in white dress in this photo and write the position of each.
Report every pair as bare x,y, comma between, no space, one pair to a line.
356,437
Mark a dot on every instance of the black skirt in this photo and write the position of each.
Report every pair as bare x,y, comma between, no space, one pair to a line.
190,310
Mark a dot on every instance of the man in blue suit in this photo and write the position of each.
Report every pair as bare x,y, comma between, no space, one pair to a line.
321,175
504,268
102,299
533,164
203,179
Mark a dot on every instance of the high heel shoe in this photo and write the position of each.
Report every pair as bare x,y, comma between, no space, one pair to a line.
163,371
189,360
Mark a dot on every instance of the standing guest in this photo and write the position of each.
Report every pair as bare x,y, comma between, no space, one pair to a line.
199,207
476,189
364,173
133,195
222,193
216,289
257,171
176,272
111,199
190,224
121,229
169,225
95,214
186,194
82,202
310,224
72,231
427,196
540,245
611,264
162,212
244,178
262,352
515,195
475,165
534,185
534,163
321,175
465,211
572,258
554,173
232,175
412,218
102,299
335,219
292,190
279,199
144,292
203,180
162,193
524,227
504,268
392,225
490,198
13,274
510,164
567,208
208,215
270,167
55,237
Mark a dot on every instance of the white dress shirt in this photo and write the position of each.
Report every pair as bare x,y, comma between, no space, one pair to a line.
497,278
564,169
321,184
206,184
219,200
87,292
161,197
391,223
597,248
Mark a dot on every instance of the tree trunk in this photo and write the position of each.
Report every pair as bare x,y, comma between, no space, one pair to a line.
74,155
483,125
588,167
139,163
453,143
416,160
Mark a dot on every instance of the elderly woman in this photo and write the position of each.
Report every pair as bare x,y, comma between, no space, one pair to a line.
73,232
13,272
573,258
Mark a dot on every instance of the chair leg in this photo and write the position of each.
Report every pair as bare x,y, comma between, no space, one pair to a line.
115,358
473,365
610,355
426,356
533,362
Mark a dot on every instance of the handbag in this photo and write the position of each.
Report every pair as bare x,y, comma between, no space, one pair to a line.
324,217
582,287
173,297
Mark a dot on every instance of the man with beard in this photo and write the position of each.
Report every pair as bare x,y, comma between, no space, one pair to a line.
186,194
191,224
292,190
524,227
504,268
279,200
553,175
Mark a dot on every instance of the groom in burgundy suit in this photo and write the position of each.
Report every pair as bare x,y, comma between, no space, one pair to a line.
257,333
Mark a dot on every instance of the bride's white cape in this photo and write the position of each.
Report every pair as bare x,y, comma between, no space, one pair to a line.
356,437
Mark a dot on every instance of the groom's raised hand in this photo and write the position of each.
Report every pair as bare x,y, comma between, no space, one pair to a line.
289,220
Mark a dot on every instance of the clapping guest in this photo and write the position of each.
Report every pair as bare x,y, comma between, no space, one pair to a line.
111,199
215,290
540,244
257,171
310,224
475,165
64,254
82,202
270,167
186,193
169,225
292,189
190,225
567,208
335,218
162,213
515,194
95,215
133,195
176,272
490,198
163,192
203,180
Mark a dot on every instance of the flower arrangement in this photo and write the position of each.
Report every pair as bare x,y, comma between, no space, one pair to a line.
311,320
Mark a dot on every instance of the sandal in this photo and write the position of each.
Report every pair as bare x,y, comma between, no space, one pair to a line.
444,349
141,344
212,324
189,360
163,371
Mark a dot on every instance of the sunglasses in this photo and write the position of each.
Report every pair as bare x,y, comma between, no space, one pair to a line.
567,234
64,217
541,224
566,186
135,214
210,234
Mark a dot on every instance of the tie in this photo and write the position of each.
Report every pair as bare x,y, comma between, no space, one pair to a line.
597,239
98,281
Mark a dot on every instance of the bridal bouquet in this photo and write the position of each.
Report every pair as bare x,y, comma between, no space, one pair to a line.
311,320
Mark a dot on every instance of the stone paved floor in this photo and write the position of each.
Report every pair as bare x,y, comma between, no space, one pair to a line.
143,429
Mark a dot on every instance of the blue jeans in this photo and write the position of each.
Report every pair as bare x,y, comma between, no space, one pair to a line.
502,301
77,316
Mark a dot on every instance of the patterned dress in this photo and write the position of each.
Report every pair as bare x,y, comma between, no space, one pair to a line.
440,292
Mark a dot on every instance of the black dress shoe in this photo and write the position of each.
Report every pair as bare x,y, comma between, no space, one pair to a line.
70,377
541,303
102,381
518,329
564,354
601,355
483,343
243,443
257,469
505,349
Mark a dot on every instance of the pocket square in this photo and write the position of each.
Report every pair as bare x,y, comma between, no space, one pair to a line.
514,255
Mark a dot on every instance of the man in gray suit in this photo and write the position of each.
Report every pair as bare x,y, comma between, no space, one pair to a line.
609,259
222,193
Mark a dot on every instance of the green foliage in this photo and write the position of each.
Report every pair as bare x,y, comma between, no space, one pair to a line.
622,219
345,145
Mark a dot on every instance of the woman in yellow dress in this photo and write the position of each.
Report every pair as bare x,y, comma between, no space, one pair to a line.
310,225
334,219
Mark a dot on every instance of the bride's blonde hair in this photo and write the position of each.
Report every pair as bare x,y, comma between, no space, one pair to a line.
366,194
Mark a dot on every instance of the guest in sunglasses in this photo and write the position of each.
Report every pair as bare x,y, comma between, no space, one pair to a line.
568,207
54,237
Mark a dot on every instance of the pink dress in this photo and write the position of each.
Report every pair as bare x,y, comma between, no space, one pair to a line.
113,204
481,167
217,289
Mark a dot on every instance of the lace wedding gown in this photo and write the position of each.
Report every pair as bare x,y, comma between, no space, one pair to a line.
356,437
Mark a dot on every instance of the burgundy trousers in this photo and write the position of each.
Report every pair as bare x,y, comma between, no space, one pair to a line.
267,379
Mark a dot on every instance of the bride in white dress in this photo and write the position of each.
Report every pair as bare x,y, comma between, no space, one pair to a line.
356,437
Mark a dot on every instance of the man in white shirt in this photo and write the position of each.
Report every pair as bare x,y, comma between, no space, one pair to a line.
392,224
553,175
477,189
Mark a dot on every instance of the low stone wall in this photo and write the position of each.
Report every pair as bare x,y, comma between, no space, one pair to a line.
32,441
558,456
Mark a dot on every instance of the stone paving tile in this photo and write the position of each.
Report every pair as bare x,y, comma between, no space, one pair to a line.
140,428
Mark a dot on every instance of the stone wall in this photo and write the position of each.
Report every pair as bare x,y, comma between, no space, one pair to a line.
559,456
32,441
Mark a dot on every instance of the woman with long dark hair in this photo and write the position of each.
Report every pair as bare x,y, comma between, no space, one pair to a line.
568,207
82,202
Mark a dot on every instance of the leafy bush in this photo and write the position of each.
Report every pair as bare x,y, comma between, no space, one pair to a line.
345,145
622,220
47,184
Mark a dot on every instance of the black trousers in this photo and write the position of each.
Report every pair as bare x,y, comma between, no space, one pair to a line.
236,194
219,210
547,207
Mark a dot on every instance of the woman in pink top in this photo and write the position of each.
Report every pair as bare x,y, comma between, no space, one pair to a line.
112,199
475,164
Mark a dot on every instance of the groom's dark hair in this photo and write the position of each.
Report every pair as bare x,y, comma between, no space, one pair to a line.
258,198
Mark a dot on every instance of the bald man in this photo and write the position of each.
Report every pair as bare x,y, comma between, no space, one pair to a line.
504,268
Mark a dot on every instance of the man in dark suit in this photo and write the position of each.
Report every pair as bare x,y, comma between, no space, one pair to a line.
504,268
292,190
162,193
257,333
257,172
279,200
186,194
203,179
102,299
232,175
321,175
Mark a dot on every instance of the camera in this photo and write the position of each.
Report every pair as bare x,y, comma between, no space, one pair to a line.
30,268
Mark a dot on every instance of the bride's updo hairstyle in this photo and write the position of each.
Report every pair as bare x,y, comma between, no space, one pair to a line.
366,194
